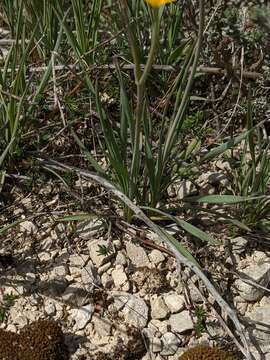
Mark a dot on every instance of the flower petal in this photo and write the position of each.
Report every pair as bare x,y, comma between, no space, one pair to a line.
158,3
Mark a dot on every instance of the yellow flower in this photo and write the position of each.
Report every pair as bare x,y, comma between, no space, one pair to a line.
158,3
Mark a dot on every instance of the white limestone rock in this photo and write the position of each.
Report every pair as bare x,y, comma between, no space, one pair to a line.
239,245
119,276
78,260
28,227
174,302
155,344
159,310
120,259
106,280
154,341
82,316
89,276
50,308
137,255
181,322
45,256
136,312
170,343
156,257
126,286
120,299
59,271
159,327
18,319
102,327
260,326
76,295
103,268
11,328
257,273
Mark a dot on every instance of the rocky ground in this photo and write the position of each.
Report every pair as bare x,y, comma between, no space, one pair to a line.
114,296
115,289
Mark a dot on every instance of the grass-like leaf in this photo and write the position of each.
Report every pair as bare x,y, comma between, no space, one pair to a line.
191,229
224,147
77,217
221,199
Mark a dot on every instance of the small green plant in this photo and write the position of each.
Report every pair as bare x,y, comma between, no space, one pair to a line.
138,155
251,177
193,120
200,314
104,250
7,302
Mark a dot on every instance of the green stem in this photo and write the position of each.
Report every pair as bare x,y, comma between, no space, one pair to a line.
135,165
131,39
153,48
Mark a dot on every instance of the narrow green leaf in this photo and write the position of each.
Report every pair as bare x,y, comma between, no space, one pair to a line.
112,141
88,155
237,223
198,233
193,230
224,147
179,247
220,217
197,98
193,146
178,52
10,226
221,199
6,150
77,217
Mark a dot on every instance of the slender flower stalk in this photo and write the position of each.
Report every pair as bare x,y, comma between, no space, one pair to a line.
140,108
131,39
153,48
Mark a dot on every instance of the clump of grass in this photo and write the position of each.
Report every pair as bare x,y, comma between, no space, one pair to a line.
251,178
201,315
104,250
8,300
